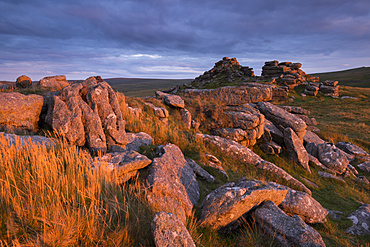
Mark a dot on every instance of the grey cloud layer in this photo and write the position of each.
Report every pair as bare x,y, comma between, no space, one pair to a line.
80,33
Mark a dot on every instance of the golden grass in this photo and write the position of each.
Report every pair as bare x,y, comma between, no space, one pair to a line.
52,197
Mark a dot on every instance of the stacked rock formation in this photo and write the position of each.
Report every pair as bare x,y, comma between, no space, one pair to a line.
287,73
88,114
225,71
53,83
328,88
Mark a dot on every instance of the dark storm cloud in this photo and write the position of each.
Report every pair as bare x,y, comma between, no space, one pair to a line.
159,38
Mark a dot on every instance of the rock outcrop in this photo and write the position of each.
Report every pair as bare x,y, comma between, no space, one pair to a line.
23,81
285,230
170,99
88,114
168,231
248,157
296,149
53,83
361,221
230,201
172,186
332,157
19,112
279,116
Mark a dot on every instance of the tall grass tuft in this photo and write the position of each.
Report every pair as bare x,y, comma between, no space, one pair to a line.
52,197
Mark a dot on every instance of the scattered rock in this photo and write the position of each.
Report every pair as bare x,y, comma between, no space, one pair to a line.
217,164
301,204
364,166
25,140
248,157
361,221
353,149
168,230
329,175
200,172
54,83
286,231
332,157
311,140
158,111
296,149
362,179
281,117
186,117
335,214
136,112
166,190
20,113
230,201
136,140
23,81
270,148
276,134
310,183
296,110
170,99
348,97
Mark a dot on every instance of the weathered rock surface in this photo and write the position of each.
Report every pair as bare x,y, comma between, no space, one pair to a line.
158,111
353,149
248,157
270,147
23,81
311,140
276,134
316,161
230,201
279,116
361,221
301,204
364,166
88,114
329,175
54,83
362,179
136,140
234,95
170,99
186,117
295,110
168,190
123,165
20,112
200,172
24,140
169,231
296,149
332,157
286,231
213,162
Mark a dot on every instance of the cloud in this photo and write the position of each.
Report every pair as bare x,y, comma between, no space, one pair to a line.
112,37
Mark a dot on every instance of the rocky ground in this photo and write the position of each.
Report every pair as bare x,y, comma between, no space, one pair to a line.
241,124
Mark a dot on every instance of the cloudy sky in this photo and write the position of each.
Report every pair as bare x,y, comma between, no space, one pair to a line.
178,38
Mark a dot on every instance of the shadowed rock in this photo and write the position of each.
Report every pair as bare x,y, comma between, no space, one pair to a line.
286,231
332,157
23,81
230,201
168,231
20,112
136,140
361,221
200,172
364,166
353,149
25,140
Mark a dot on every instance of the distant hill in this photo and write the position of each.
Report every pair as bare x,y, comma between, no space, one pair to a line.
137,87
358,77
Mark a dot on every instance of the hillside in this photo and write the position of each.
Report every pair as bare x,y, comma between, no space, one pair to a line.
358,77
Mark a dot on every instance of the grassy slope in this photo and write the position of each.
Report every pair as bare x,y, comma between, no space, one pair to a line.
135,87
358,77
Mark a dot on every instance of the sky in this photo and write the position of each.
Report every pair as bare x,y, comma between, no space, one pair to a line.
178,38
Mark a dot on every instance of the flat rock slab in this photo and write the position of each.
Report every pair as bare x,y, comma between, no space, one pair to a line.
171,182
248,157
168,231
170,99
200,172
281,117
136,140
296,150
361,221
329,175
230,201
365,166
302,204
287,231
25,140
19,112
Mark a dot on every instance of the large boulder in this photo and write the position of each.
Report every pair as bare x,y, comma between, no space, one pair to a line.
246,156
302,204
23,81
170,99
332,157
281,117
286,231
296,149
172,186
168,231
311,140
229,202
361,221
234,95
136,140
88,113
54,83
354,150
19,112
